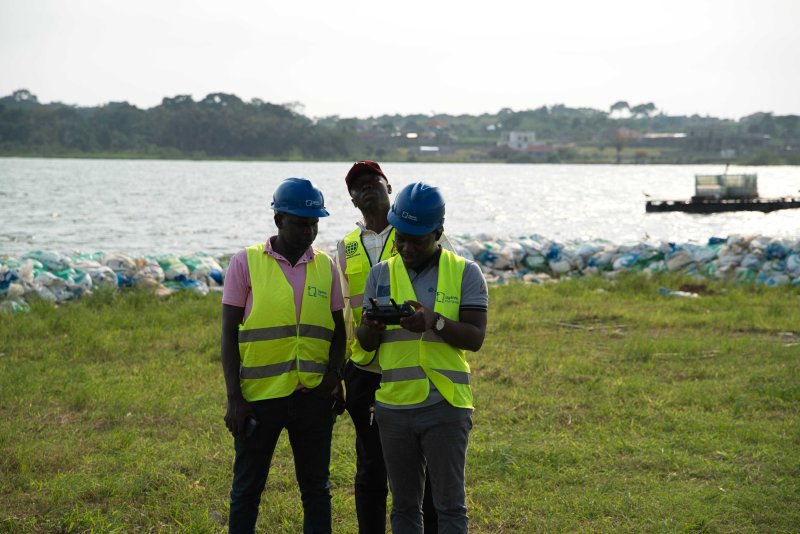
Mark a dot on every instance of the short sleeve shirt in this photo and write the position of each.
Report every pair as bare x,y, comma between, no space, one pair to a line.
373,243
474,296
238,290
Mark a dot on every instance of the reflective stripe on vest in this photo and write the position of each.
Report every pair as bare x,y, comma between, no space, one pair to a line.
410,360
414,373
276,352
357,266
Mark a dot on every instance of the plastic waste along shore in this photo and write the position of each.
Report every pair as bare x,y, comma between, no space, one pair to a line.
676,293
536,259
533,259
59,277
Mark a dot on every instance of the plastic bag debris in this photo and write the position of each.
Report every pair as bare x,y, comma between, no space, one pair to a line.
676,293
740,259
59,277
204,268
532,259
174,269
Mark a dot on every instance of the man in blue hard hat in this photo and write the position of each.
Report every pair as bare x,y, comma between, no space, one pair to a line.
424,404
370,242
283,341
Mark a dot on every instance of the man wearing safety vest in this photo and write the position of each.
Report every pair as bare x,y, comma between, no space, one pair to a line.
424,404
370,242
283,341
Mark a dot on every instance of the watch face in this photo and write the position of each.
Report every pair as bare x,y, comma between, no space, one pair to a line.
439,322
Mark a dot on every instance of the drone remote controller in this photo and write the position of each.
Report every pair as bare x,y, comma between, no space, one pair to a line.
388,313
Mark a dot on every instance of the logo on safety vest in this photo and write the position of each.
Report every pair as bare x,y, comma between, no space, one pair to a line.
447,299
316,292
350,249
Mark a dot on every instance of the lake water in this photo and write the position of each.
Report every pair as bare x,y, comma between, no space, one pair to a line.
154,207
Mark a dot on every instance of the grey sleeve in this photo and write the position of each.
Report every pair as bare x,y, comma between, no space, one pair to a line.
474,292
371,286
377,285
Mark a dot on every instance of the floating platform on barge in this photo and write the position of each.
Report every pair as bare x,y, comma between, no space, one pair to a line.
714,206
716,193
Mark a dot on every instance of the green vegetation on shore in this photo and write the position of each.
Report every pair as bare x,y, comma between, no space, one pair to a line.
601,406
223,126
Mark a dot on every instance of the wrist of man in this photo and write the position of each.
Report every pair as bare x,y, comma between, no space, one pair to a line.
336,369
438,322
235,396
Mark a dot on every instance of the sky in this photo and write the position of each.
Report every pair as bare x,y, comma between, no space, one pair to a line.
356,58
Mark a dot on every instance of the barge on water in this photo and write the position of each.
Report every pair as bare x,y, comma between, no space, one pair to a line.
724,192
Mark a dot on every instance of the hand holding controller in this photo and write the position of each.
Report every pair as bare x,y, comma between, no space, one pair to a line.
388,313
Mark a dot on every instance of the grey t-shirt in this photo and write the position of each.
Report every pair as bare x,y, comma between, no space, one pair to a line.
474,296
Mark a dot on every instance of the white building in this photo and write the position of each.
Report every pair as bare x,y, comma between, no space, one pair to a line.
517,140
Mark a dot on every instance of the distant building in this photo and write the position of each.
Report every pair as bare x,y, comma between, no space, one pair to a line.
664,136
517,140
430,150
515,144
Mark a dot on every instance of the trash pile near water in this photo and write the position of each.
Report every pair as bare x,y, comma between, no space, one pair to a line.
535,259
58,277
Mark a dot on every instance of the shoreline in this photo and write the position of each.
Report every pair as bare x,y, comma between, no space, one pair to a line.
171,157
59,277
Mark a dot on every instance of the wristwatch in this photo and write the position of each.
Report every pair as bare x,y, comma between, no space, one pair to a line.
438,324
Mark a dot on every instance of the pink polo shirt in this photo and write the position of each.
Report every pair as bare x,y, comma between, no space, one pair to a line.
238,292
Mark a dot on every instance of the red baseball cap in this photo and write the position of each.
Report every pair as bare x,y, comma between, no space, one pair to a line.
363,167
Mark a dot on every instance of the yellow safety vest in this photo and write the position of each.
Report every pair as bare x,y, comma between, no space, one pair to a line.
357,266
276,351
409,360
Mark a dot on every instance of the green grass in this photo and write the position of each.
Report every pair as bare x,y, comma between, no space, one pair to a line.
600,407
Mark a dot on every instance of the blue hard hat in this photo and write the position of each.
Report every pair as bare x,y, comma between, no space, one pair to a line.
417,210
298,196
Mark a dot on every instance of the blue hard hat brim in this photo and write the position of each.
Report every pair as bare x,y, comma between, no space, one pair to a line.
404,227
315,212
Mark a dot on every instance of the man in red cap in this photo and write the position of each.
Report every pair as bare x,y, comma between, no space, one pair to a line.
371,242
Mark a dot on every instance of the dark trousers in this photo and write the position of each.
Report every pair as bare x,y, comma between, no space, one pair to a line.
307,418
426,442
371,486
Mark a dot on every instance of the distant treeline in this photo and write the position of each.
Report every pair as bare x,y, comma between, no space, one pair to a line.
218,126
224,126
